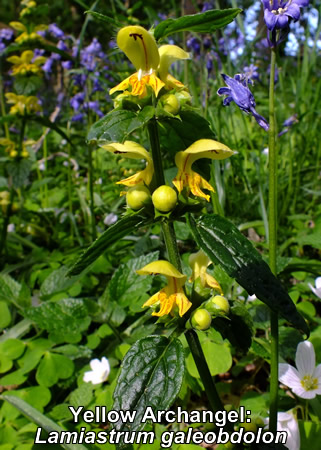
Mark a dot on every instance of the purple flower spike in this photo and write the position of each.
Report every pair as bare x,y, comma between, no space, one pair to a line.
278,13
238,92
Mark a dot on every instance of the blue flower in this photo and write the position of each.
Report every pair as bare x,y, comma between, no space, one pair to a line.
278,13
56,31
238,92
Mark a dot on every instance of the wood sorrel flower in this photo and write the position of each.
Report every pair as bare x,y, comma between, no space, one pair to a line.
199,262
305,380
287,422
141,49
278,13
238,92
99,371
26,63
186,177
132,150
317,289
171,295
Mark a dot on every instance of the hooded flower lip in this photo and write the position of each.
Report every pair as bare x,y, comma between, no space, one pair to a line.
186,177
132,150
238,92
23,64
26,35
141,49
172,294
278,13
199,262
305,380
317,289
99,371
287,422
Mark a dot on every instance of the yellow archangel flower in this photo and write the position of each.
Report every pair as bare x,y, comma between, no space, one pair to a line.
22,64
172,294
26,34
186,177
199,263
132,150
141,49
22,104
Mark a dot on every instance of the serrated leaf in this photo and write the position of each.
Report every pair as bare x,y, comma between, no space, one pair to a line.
5,315
115,232
57,281
19,171
151,375
225,245
125,286
9,288
82,396
58,318
117,125
35,416
27,85
177,135
205,22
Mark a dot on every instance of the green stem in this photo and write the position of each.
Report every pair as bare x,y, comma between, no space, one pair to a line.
171,244
156,152
91,192
202,367
3,109
6,222
45,157
274,384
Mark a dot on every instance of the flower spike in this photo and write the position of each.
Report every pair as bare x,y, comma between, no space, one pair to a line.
132,150
199,262
186,177
171,295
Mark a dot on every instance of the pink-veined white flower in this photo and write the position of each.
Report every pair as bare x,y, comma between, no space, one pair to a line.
287,422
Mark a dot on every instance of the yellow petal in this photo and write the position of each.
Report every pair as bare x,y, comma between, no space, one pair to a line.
183,303
161,267
121,86
166,306
172,83
41,27
203,148
11,97
40,60
155,83
169,54
27,56
18,26
211,282
129,149
14,60
160,295
143,177
139,46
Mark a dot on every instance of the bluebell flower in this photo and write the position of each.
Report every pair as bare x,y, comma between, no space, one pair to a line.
77,101
207,6
79,117
6,34
287,124
278,13
239,92
67,64
94,106
251,72
56,32
47,67
194,44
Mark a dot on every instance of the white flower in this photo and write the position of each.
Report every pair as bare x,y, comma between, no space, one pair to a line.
305,381
317,289
110,219
286,422
99,371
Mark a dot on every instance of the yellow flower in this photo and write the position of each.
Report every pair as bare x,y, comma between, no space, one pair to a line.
8,144
140,48
172,294
186,177
10,147
26,34
199,262
22,104
132,150
29,5
22,64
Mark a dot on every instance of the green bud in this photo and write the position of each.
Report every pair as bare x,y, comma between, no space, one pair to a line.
201,319
218,304
164,198
171,103
137,197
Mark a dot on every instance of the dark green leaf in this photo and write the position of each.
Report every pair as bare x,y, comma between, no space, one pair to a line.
37,417
19,171
115,232
178,134
125,286
119,124
225,245
27,85
151,375
205,22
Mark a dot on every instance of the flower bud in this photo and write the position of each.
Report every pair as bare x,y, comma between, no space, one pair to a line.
218,303
164,198
171,103
201,319
249,426
137,197
25,154
13,154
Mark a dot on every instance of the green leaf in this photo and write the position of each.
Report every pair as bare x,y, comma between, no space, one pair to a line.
19,171
82,396
20,329
125,286
64,318
12,348
225,245
35,350
205,22
310,434
151,375
106,19
115,232
119,124
177,135
5,315
27,85
9,288
57,281
218,357
35,416
52,368
46,122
